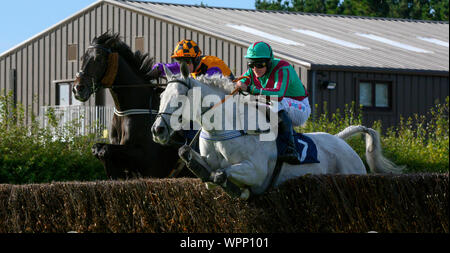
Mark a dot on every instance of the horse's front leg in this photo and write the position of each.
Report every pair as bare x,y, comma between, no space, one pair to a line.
98,150
195,162
126,152
243,174
116,158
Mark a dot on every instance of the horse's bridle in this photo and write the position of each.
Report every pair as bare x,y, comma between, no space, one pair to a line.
159,114
108,78
95,84
109,73
189,86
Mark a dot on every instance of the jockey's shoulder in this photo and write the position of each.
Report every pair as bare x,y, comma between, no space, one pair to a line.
281,63
210,58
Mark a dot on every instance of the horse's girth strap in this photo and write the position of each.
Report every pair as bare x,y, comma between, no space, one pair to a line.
111,71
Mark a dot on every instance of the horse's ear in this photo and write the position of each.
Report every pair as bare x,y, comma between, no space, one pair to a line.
169,74
184,70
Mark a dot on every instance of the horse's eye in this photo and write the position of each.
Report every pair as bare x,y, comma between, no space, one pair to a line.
180,119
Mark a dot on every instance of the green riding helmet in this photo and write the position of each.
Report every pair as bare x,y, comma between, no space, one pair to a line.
259,50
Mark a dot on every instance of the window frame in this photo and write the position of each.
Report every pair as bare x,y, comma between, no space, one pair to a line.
373,83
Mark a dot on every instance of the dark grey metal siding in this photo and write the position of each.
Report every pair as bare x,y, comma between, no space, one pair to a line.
411,94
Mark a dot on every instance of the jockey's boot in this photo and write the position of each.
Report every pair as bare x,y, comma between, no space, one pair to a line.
290,154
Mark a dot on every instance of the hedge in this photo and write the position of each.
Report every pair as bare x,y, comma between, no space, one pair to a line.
327,203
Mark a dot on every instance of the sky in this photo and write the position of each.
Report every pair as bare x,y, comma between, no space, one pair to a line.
22,19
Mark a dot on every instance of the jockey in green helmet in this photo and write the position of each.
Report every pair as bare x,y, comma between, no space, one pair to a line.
269,76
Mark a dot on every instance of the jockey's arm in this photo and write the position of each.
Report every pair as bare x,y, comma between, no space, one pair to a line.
279,88
173,67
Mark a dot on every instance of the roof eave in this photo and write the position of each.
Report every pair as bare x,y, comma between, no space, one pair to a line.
318,67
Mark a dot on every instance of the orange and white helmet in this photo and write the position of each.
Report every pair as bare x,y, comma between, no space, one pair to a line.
186,48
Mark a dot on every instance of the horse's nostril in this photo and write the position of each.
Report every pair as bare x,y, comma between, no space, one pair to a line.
78,87
159,130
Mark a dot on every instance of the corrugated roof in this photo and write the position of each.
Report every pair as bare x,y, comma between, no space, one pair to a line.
311,40
318,39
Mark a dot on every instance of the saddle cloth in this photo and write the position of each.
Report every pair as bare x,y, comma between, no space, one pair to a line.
306,148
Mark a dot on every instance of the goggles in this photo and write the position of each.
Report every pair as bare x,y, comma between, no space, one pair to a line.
258,65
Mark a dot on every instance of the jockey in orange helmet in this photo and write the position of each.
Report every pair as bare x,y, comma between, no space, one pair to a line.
189,52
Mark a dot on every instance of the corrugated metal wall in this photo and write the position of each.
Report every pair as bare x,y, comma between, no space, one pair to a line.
44,59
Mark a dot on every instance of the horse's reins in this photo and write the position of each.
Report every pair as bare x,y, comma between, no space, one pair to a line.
194,140
231,94
236,90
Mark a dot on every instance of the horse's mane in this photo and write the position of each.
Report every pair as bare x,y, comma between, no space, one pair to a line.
217,81
139,61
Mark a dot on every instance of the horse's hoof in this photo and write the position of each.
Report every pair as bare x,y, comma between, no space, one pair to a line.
94,151
104,153
101,154
97,149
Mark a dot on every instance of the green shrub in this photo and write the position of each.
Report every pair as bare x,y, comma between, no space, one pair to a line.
32,154
421,142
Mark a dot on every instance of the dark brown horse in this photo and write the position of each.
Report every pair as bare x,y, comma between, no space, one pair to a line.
109,63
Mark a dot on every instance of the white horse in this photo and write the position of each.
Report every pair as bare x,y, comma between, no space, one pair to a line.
245,160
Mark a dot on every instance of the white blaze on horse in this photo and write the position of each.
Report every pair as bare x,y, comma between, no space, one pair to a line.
245,160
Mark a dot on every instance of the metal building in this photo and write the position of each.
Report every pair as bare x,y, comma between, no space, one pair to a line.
393,67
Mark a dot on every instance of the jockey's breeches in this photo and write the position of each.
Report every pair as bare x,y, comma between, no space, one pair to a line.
298,111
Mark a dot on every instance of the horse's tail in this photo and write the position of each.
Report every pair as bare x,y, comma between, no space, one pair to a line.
375,159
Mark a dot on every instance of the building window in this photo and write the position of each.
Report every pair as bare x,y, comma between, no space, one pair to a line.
72,52
373,94
64,95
